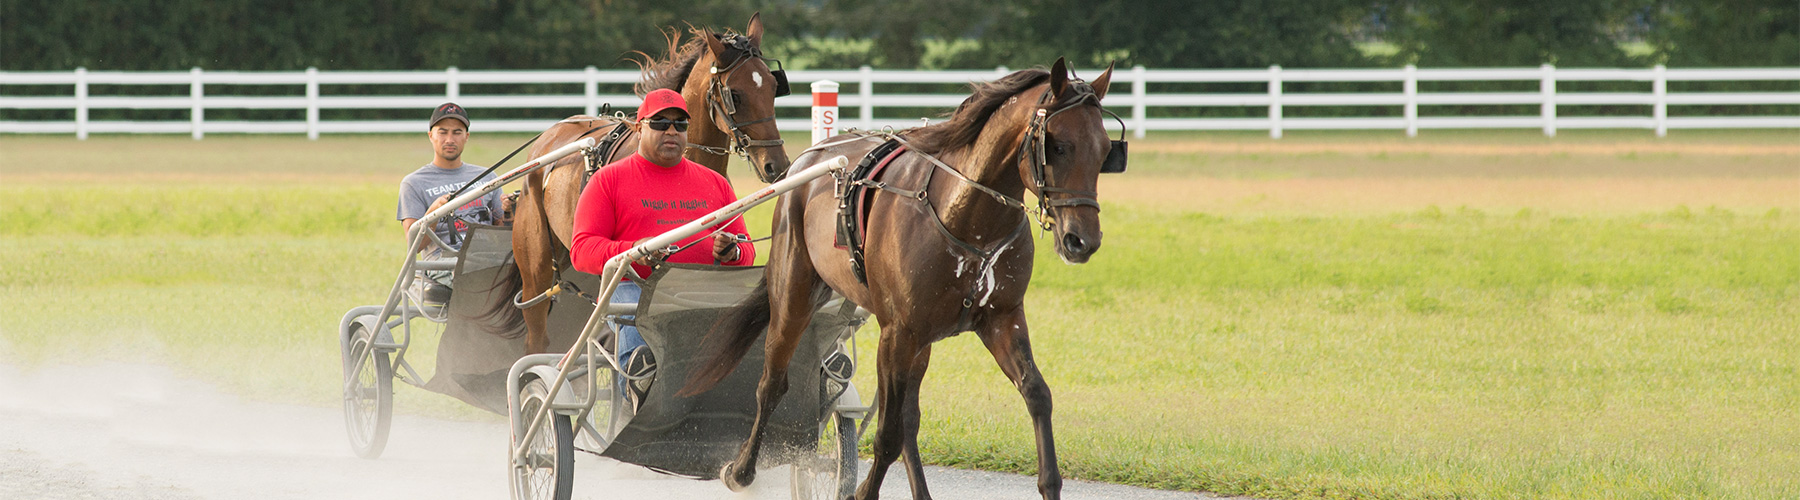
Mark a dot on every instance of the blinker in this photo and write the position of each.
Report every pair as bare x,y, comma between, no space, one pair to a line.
781,83
1115,159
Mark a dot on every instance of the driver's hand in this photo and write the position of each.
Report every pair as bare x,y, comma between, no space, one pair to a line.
725,247
653,257
438,204
508,203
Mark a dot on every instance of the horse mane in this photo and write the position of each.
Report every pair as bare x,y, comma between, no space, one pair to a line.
970,117
671,72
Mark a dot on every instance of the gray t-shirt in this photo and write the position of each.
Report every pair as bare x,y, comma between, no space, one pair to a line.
426,184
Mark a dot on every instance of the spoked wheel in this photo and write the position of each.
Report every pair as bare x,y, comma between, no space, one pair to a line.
368,395
607,416
548,471
830,471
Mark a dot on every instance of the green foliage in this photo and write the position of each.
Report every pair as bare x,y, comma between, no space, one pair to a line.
1176,33
1510,32
896,34
389,34
1729,32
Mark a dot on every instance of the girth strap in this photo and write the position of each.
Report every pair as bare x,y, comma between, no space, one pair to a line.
852,213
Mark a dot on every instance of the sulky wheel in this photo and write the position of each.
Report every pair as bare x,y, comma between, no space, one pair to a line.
368,394
830,471
548,471
608,415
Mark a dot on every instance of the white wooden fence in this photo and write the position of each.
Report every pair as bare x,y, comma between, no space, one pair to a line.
865,99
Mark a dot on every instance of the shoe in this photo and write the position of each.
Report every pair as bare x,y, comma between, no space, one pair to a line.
437,295
642,370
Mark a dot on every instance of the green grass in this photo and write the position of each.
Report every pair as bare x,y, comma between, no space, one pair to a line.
1408,356
1422,352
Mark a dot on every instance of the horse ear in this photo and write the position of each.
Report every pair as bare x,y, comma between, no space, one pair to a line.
1059,77
1103,82
755,30
713,44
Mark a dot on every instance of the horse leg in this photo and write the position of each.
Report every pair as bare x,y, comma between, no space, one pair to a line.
1005,336
531,252
792,287
909,444
898,430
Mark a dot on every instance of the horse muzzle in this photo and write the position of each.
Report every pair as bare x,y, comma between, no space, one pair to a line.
1075,248
771,163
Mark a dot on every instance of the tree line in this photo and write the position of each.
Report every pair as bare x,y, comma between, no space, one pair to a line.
898,34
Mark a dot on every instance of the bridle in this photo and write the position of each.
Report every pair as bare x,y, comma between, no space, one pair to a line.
722,103
1032,150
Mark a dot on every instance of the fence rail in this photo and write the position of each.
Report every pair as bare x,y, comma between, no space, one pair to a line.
1136,80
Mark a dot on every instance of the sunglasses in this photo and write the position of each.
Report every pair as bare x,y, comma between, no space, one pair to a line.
661,124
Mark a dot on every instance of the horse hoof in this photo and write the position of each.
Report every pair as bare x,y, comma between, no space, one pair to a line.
734,481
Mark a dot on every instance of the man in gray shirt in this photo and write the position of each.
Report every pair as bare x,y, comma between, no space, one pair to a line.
430,187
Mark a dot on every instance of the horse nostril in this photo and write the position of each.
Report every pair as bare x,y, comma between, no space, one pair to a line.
1073,244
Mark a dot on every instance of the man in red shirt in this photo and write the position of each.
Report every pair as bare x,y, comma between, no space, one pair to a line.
649,193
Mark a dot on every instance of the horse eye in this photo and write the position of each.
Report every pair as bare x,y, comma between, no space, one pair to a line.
736,96
1061,148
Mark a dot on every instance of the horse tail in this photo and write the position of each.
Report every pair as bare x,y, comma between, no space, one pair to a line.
498,316
729,339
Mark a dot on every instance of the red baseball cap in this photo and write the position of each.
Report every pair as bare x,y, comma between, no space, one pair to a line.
661,99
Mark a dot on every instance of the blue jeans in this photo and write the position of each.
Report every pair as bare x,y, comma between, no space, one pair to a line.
629,339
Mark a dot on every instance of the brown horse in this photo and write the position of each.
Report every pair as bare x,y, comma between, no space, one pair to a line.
946,252
730,93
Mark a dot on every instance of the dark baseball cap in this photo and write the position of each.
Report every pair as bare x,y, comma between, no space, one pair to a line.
448,110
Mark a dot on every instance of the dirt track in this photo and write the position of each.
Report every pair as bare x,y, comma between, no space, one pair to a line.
138,432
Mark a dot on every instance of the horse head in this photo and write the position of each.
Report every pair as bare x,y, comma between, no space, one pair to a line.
740,96
1064,150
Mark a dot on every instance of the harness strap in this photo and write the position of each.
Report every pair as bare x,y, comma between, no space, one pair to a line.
721,105
987,257
998,196
596,156
965,318
712,150
770,118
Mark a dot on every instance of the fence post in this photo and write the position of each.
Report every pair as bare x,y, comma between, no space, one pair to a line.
199,114
1660,87
312,103
452,89
592,90
1548,87
1411,88
866,91
1275,102
824,110
81,105
1137,100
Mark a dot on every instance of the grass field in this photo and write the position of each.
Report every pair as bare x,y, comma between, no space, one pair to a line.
1331,315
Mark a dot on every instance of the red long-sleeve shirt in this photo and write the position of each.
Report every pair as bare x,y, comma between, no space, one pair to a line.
632,199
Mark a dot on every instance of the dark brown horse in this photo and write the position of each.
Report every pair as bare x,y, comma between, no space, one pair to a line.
730,94
947,251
